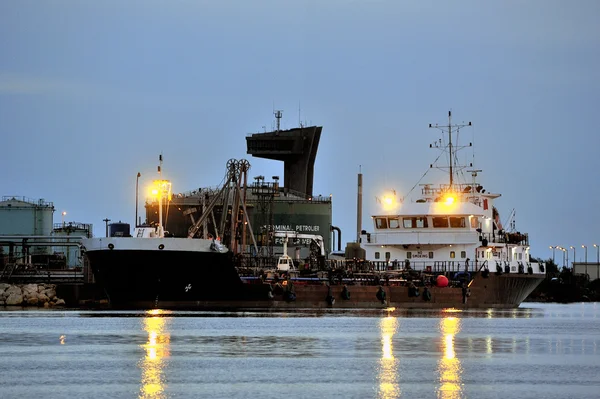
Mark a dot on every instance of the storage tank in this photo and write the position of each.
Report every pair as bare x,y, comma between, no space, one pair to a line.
119,230
25,216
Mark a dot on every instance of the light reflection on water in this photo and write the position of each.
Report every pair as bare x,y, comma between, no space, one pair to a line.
388,364
549,349
157,352
449,367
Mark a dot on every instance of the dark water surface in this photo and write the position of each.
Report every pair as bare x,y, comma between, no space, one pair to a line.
536,351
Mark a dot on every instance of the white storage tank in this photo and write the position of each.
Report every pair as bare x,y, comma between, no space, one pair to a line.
25,216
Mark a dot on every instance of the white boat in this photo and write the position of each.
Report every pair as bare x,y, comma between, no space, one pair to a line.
450,227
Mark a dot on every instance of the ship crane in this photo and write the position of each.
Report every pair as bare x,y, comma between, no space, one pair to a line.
236,169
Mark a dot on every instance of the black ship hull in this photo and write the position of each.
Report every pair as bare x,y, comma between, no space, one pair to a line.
132,277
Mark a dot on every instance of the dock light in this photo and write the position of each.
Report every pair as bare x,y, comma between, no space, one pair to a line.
450,200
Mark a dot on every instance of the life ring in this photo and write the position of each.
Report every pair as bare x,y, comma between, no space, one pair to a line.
111,246
161,246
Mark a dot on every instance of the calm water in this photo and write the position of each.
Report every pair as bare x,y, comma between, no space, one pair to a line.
537,351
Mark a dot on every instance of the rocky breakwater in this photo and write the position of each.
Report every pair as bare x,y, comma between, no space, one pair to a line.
42,295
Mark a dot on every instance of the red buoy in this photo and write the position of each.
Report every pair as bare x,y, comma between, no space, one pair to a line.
441,281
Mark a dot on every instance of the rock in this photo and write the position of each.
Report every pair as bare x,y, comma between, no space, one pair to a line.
59,302
46,304
14,299
2,303
33,301
42,298
30,288
50,293
13,290
4,287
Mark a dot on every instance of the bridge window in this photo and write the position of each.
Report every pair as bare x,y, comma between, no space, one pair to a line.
414,223
381,223
452,255
440,221
463,254
475,222
388,256
408,255
457,222
394,223
377,256
431,255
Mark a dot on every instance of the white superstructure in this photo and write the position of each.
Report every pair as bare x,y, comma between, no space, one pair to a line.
448,227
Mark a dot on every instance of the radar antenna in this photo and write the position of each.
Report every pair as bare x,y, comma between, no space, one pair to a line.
451,150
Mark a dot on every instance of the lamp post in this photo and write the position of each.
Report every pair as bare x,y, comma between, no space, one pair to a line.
574,255
106,221
597,253
585,248
63,218
137,185
564,251
553,249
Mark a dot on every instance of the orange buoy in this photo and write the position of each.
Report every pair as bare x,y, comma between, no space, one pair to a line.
441,281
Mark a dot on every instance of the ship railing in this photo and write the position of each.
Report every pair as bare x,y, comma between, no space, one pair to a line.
505,238
30,201
428,266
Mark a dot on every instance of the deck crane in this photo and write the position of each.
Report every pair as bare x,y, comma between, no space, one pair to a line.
285,262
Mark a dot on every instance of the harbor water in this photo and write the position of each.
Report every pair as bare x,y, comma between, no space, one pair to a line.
536,351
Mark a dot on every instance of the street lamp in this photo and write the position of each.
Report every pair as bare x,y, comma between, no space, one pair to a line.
63,218
597,253
137,183
585,247
553,249
564,251
574,256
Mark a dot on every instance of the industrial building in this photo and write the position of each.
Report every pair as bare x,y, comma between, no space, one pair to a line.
269,205
30,241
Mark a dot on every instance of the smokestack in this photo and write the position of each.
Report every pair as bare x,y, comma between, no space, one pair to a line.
359,206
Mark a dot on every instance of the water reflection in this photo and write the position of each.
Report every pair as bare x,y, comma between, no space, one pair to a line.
388,365
449,366
157,352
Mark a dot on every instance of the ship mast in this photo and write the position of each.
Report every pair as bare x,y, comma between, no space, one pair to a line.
160,230
451,151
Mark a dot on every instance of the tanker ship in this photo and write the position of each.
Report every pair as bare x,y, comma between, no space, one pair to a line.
446,249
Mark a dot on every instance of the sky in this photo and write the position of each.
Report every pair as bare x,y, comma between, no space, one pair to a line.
92,91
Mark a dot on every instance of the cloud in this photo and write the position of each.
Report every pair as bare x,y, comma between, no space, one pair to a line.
74,90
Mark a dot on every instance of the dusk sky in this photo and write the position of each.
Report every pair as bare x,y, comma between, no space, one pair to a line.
92,91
